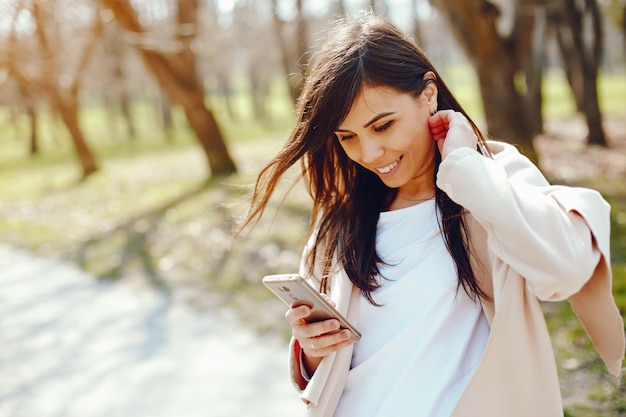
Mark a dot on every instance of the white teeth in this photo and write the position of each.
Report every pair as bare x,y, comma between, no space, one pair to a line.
389,167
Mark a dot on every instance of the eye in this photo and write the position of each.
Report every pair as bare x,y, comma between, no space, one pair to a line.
343,138
383,127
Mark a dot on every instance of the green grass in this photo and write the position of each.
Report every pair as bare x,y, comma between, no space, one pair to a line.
618,249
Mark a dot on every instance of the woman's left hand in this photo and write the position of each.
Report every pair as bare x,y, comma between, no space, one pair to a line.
451,130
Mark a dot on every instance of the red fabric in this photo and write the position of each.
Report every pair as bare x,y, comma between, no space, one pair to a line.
297,351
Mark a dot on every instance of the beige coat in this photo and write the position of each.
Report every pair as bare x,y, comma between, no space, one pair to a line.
532,241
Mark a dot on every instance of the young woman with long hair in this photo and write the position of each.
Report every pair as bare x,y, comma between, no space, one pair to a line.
435,242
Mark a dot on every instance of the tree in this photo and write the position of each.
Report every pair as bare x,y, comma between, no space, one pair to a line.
498,59
292,53
40,67
28,98
339,6
379,6
416,32
117,95
579,30
256,38
533,64
177,74
21,96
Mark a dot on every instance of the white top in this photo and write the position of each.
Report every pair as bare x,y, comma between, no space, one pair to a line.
418,350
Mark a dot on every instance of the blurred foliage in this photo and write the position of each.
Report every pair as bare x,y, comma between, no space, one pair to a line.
614,11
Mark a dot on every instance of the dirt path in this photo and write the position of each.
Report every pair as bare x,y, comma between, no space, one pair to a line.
72,346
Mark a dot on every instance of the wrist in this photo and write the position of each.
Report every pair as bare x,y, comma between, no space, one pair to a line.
308,364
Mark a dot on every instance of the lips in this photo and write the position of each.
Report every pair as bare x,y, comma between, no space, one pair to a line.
388,168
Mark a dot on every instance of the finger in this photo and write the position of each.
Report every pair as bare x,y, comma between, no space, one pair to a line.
439,124
297,315
460,134
317,329
460,126
323,345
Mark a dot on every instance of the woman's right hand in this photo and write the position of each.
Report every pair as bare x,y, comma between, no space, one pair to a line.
451,130
316,339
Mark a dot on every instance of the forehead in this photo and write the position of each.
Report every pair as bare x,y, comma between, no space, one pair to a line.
374,100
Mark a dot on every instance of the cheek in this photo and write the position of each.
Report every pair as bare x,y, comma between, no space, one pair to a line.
423,136
419,144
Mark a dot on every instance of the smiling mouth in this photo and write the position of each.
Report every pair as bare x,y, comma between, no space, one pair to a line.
388,168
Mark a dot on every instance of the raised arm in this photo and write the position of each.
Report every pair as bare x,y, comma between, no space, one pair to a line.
553,236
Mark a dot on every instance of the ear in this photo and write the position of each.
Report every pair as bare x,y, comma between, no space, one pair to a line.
430,91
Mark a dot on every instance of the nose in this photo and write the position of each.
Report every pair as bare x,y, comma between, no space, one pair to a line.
371,150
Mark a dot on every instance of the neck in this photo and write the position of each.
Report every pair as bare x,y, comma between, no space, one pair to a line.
405,199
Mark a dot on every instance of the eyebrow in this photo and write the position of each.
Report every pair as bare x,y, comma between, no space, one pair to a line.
372,121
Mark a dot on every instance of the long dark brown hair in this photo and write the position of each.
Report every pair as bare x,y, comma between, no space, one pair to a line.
347,198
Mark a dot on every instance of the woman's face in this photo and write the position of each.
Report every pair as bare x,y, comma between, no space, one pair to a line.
387,132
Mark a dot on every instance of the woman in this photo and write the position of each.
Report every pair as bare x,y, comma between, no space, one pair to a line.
435,243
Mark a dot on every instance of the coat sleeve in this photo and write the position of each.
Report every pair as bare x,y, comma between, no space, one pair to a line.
553,236
295,364
322,391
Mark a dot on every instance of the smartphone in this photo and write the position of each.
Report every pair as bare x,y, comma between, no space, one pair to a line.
295,291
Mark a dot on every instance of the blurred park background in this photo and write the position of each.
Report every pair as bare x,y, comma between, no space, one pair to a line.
132,130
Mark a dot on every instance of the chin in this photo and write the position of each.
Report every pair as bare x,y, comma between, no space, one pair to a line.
392,183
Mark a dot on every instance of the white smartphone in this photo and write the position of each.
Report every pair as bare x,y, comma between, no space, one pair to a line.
295,291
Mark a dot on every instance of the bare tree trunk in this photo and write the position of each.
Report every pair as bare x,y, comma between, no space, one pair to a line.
534,63
497,61
259,91
68,110
504,110
118,98
417,35
165,110
28,100
339,6
591,64
379,6
66,102
34,138
124,102
13,118
566,27
123,99
302,43
291,57
226,93
178,77
203,122
582,58
111,112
